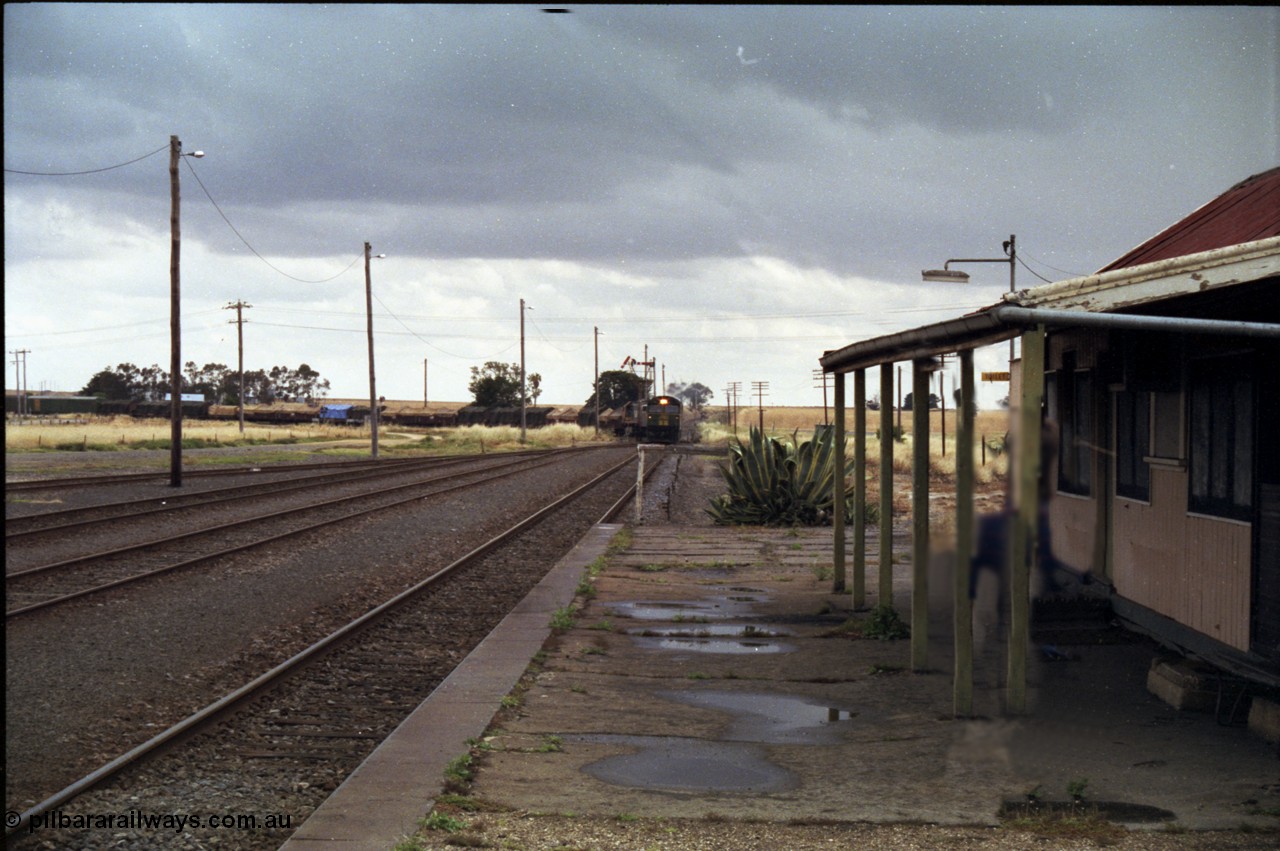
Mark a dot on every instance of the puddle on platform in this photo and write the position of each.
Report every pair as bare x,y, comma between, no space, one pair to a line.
675,610
772,719
717,630
696,644
687,764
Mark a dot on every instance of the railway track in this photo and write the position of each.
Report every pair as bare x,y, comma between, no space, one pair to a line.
273,748
59,521
62,520
116,479
34,587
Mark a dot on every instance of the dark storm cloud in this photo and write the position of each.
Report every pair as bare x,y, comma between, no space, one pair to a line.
818,134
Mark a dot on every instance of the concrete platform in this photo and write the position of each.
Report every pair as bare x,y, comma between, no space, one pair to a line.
713,673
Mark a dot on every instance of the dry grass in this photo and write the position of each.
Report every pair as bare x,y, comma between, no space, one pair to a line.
507,438
123,433
782,423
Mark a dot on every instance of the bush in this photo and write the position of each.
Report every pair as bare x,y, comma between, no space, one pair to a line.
776,483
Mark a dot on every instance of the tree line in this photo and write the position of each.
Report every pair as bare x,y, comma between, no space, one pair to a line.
496,384
215,381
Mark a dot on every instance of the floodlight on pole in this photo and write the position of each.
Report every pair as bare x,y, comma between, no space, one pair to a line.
175,311
953,276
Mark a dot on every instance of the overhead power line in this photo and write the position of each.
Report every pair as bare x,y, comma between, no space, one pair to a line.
89,171
357,259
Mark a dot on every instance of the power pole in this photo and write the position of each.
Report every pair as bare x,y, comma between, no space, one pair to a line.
900,400
522,393
373,393
20,379
239,321
819,375
175,320
759,388
26,395
595,330
734,387
175,314
424,384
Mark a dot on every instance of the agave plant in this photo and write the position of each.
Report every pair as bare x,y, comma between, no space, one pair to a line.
778,483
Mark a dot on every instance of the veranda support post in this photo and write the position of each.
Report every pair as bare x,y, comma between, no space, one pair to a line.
920,373
886,484
1022,552
837,507
962,682
860,489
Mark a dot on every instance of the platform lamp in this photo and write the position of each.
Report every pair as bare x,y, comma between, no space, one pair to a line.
947,275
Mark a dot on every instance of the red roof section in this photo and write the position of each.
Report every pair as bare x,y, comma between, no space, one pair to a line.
1248,211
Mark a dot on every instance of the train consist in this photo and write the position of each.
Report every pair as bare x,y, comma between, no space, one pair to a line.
655,420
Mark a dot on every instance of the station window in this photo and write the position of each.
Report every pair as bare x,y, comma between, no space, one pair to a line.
1133,441
1073,408
1221,440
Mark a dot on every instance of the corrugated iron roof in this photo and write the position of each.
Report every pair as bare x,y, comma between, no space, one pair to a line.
1246,212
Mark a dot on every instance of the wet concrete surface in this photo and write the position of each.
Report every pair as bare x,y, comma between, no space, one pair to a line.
823,727
651,720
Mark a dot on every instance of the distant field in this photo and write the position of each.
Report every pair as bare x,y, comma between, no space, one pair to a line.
780,420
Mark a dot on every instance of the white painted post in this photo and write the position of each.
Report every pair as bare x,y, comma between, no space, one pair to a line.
640,485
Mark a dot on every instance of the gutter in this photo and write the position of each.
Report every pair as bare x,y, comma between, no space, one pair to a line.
1010,315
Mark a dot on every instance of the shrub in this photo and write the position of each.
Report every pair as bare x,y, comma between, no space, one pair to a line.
777,483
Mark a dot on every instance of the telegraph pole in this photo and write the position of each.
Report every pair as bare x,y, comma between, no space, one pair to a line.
20,379
373,393
175,320
819,375
239,321
759,388
596,336
424,384
522,393
175,315
734,387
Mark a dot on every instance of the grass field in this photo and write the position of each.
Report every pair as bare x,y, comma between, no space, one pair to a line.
122,433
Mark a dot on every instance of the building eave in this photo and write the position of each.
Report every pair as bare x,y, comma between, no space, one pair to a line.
1118,291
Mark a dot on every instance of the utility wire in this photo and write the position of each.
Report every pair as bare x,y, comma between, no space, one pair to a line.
254,250
1034,272
421,338
1047,266
90,171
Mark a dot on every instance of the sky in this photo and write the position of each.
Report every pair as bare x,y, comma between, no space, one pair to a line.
732,190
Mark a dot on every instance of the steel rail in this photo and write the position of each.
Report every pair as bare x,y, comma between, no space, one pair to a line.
44,604
174,502
129,478
221,527
192,722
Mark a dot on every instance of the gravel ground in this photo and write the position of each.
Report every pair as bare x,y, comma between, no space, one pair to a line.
129,663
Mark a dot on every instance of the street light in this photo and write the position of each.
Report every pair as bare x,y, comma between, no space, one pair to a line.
175,321
953,276
373,393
